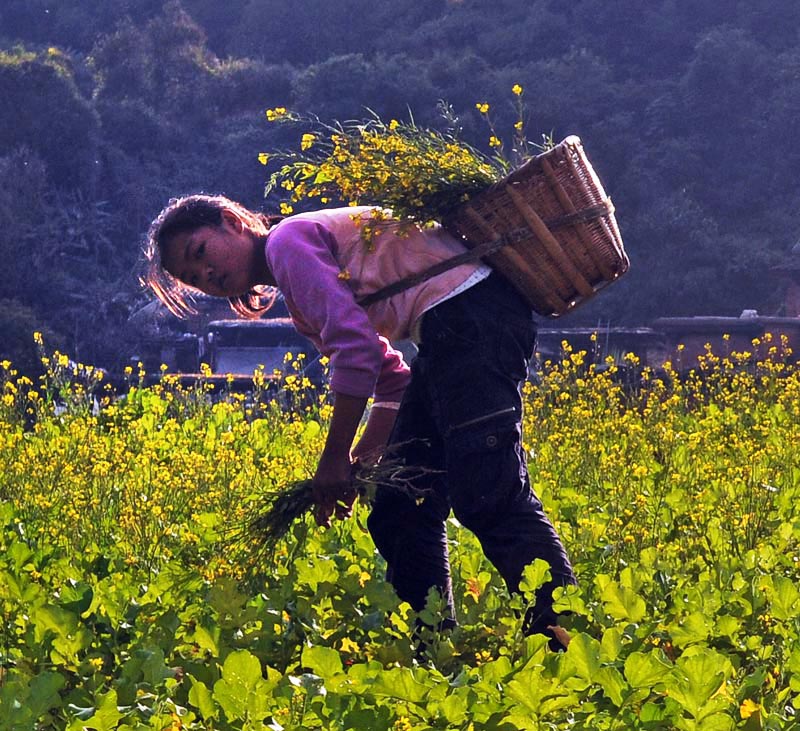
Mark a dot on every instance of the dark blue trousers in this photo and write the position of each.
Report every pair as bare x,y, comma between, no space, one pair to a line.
461,416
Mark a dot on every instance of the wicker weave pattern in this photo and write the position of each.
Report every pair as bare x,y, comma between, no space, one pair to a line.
563,241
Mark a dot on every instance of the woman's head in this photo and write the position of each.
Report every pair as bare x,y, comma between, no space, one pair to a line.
211,244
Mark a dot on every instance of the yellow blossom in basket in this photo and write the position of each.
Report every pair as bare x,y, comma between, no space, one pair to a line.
307,141
286,209
494,141
276,114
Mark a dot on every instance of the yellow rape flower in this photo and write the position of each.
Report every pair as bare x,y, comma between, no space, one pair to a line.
748,708
516,90
482,107
494,141
347,645
276,114
263,158
307,140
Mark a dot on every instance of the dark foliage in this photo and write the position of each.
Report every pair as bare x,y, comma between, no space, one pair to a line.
108,109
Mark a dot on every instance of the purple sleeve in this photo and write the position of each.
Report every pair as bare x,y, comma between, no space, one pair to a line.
300,254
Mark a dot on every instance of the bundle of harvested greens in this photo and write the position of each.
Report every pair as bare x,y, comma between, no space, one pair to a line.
277,511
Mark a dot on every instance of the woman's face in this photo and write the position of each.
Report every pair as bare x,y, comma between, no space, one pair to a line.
222,261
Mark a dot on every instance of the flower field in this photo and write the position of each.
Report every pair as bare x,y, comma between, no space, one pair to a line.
131,599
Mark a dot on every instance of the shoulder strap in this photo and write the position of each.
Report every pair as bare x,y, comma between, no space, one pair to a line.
412,280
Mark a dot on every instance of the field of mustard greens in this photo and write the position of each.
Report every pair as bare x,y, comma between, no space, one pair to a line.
130,599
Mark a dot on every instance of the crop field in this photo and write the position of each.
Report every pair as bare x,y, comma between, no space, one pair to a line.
133,598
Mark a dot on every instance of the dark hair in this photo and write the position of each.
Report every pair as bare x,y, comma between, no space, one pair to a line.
187,214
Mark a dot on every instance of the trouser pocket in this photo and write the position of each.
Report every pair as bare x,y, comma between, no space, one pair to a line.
486,472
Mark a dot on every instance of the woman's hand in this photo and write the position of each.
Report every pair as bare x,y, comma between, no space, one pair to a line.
332,488
332,485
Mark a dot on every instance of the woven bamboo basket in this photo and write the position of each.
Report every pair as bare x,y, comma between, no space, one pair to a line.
556,236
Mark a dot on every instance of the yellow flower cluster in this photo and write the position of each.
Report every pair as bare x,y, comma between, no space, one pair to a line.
419,173
710,455
158,469
700,452
275,114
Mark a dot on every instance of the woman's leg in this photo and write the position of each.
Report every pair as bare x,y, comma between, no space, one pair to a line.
479,347
412,536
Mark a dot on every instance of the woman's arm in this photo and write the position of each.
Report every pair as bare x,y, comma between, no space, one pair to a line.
332,487
376,434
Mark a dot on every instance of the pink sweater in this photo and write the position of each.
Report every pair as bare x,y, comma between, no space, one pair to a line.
322,265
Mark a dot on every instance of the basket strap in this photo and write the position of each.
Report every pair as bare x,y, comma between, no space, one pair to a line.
600,210
484,249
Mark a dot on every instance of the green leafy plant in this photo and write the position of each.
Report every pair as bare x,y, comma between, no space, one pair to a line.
123,605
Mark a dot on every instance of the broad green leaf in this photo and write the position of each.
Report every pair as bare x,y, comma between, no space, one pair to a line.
20,553
226,598
66,648
154,666
613,684
242,692
107,714
727,626
313,571
691,629
200,697
14,587
497,670
652,712
645,670
15,713
242,669
402,684
533,576
583,655
52,619
695,680
622,603
206,637
44,693
717,722
569,599
532,688
611,644
455,706
311,431
324,661
785,598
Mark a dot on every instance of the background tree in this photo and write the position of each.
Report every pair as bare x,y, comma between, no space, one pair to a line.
687,111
